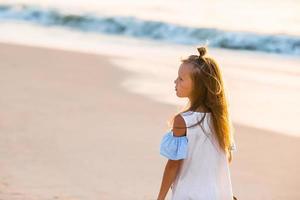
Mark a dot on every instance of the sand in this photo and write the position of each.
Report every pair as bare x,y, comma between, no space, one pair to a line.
69,131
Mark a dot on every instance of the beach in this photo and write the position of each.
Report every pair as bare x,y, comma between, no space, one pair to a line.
87,90
71,131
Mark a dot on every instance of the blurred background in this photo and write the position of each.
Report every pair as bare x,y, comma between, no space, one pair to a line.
88,88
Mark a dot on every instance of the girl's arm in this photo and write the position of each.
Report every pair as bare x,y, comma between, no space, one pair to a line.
172,167
171,170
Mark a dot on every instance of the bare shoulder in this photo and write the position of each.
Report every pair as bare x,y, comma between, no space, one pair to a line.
179,126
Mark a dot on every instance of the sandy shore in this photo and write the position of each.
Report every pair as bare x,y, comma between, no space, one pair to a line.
69,131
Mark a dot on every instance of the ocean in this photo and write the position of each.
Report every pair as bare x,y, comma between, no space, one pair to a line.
269,26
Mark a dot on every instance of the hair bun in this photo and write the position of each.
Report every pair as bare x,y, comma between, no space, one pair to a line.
202,51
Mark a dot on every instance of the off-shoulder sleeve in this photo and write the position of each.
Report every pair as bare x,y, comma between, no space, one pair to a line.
174,147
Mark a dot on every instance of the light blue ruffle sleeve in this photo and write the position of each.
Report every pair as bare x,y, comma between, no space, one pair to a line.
174,147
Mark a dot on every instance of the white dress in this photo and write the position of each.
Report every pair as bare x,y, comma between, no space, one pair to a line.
204,173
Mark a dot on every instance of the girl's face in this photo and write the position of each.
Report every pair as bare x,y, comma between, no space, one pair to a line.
183,82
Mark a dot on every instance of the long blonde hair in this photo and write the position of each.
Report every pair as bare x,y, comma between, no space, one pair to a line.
209,92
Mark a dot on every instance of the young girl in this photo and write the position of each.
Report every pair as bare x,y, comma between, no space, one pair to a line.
199,146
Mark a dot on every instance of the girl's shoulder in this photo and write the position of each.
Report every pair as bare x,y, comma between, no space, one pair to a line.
179,126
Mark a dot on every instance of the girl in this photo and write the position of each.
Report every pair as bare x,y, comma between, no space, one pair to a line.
199,146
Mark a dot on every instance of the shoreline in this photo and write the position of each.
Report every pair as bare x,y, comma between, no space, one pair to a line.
254,80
